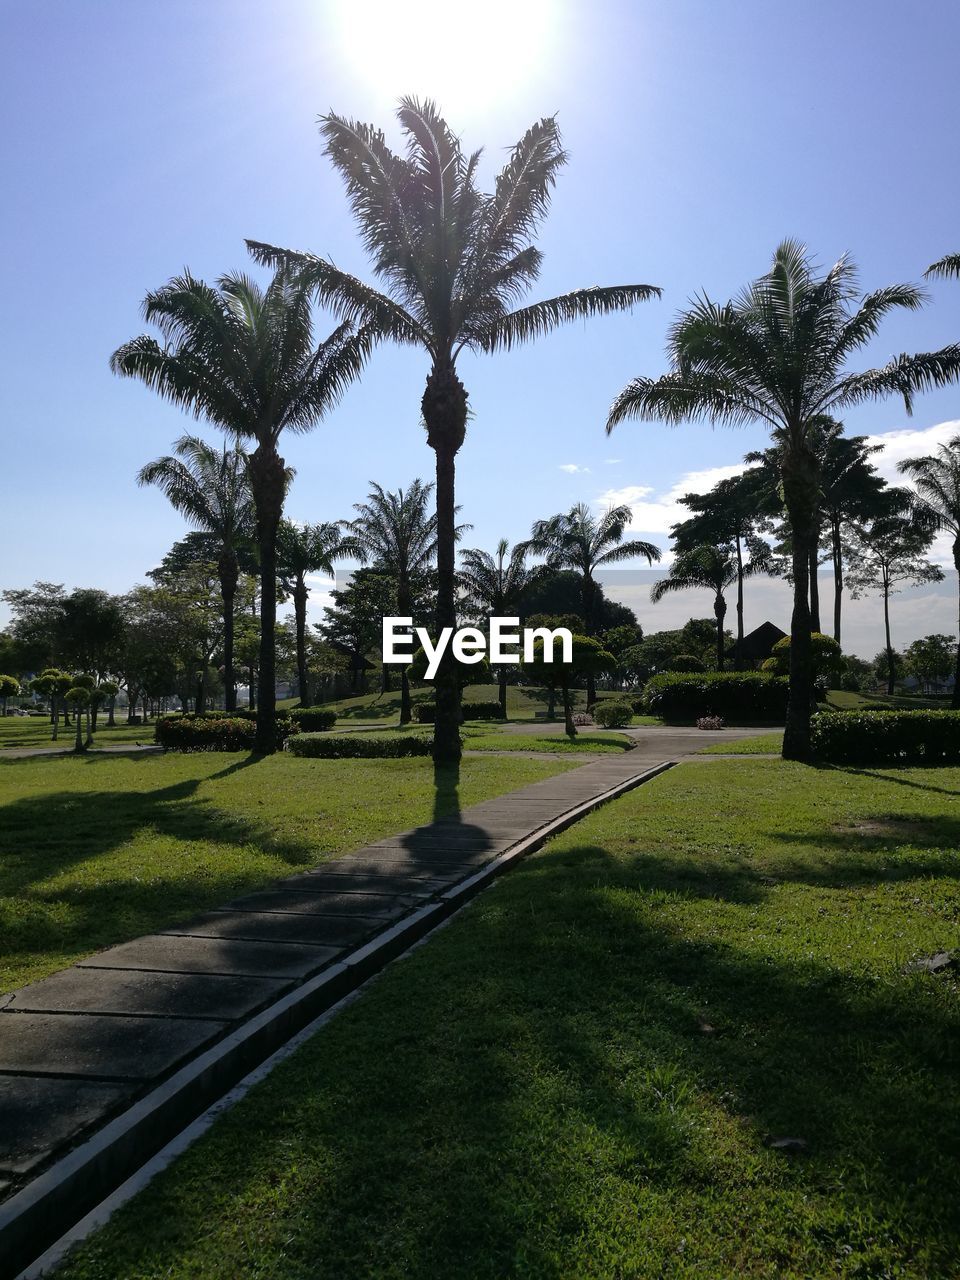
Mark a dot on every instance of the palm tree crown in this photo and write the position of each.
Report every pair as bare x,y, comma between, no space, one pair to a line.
244,358
580,541
455,261
778,354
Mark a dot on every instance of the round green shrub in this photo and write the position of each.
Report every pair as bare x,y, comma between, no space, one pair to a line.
612,714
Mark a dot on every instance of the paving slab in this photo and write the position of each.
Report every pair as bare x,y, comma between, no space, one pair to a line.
359,892
111,1047
306,924
212,955
179,995
38,1112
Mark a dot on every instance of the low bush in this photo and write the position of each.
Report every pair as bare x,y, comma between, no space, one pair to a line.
313,719
202,733
482,711
612,714
358,746
425,712
887,737
732,695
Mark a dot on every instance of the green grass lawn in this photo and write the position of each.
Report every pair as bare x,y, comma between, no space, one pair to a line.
98,849
762,744
585,1073
34,731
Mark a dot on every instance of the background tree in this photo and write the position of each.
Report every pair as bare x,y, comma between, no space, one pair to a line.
932,659
455,261
303,550
733,512
579,541
495,586
778,354
355,618
90,631
889,553
9,688
109,689
244,359
52,683
713,568
936,478
35,616
588,660
398,536
211,489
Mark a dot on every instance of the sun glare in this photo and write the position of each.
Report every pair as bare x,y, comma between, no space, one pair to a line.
464,56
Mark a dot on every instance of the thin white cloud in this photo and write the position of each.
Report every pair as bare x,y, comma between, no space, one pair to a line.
612,462
658,513
572,469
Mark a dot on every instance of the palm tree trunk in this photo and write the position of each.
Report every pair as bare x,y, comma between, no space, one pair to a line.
269,486
229,576
589,621
738,651
569,727
955,699
502,682
800,483
404,611
891,673
836,549
719,612
110,710
300,614
78,740
815,585
444,408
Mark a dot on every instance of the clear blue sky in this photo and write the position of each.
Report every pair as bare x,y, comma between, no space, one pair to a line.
139,138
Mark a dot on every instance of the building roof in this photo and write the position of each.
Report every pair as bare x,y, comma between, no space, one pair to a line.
759,643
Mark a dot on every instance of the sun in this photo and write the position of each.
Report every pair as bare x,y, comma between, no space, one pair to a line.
464,56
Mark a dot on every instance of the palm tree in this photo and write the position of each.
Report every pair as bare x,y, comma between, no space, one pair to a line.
398,534
211,488
778,354
936,479
715,568
495,587
302,550
244,358
731,513
455,262
579,541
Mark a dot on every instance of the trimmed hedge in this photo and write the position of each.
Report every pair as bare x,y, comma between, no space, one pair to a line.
358,746
313,719
887,737
191,733
733,695
482,711
612,714
426,712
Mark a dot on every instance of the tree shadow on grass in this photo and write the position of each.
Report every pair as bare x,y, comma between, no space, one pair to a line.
573,1082
44,836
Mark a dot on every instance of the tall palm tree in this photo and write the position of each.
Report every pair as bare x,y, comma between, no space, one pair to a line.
302,550
777,354
712,567
397,533
244,358
495,587
936,479
211,489
455,262
578,540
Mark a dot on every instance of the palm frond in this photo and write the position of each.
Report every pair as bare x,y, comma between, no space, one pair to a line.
541,318
945,268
